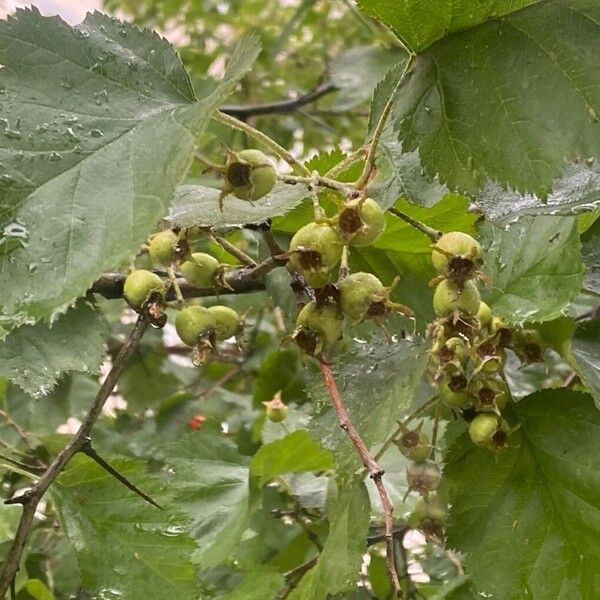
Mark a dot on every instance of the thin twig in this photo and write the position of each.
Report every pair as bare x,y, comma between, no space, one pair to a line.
411,588
375,471
434,234
22,433
219,382
280,106
316,180
32,497
234,251
376,137
358,154
265,140
175,285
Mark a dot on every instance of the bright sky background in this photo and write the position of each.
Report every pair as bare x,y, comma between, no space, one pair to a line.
72,11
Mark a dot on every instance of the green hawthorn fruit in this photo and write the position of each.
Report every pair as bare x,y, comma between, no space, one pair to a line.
276,410
455,244
201,270
140,285
251,174
163,247
193,323
449,297
314,251
484,314
489,430
433,509
453,391
423,477
361,222
318,327
227,321
415,446
358,292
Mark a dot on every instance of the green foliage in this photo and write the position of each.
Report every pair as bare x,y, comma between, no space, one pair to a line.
477,112
526,520
35,356
108,136
536,268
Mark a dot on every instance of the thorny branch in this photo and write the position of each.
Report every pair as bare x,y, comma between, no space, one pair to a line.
375,472
31,498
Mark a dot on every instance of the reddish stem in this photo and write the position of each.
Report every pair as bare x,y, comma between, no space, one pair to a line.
375,472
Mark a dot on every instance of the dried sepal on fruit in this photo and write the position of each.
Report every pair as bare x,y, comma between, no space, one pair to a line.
315,250
360,222
363,296
318,328
415,445
457,255
248,174
276,410
491,395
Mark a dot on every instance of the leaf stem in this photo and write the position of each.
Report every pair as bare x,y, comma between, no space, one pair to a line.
320,181
376,138
31,498
175,285
358,154
375,471
265,140
433,234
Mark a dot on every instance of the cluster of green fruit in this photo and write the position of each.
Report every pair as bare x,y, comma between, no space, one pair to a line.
469,343
197,326
314,253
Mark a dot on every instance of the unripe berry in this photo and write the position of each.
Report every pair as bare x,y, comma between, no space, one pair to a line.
358,293
449,297
484,314
163,247
430,509
314,251
251,174
201,270
489,430
453,391
528,345
140,285
415,445
318,327
276,410
423,477
490,395
454,251
361,222
194,323
227,321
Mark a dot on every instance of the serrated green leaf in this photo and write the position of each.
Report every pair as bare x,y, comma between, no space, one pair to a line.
535,267
99,122
528,519
377,381
382,94
259,584
418,24
124,546
585,348
401,175
576,191
338,565
35,356
198,205
479,102
211,485
356,71
590,252
294,453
